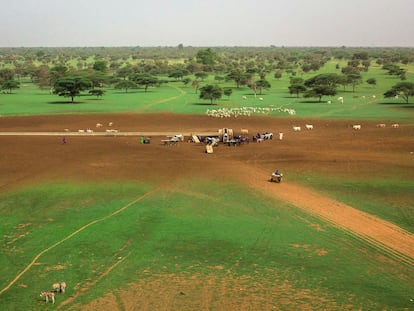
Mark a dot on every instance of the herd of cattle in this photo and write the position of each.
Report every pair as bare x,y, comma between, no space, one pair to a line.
56,288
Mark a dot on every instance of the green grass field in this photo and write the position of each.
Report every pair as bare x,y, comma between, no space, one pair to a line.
128,229
179,98
172,233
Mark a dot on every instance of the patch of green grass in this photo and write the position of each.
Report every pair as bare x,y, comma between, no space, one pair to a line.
207,225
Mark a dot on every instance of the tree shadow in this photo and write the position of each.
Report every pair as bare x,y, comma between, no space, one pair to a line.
62,102
398,105
312,102
205,104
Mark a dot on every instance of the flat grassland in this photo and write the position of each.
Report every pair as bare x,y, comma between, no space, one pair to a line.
131,226
151,227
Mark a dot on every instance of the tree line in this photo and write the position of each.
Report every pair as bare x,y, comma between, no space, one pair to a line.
69,71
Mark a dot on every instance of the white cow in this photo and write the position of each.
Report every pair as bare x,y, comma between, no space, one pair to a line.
48,295
297,128
309,126
356,126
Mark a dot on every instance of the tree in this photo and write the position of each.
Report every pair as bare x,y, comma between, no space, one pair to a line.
7,74
124,72
372,81
322,84
201,75
296,86
98,79
228,91
195,84
71,86
211,92
278,74
206,57
145,80
10,85
125,85
177,74
262,84
319,91
100,65
96,92
57,72
354,80
239,77
403,89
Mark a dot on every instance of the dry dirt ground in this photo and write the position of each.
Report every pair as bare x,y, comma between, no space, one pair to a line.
331,148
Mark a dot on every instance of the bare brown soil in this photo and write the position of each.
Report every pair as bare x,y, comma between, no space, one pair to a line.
332,148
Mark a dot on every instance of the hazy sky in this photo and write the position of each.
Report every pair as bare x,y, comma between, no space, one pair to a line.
207,23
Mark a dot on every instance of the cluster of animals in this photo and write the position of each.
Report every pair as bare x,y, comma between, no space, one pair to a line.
245,97
340,99
297,128
381,125
56,288
98,125
246,111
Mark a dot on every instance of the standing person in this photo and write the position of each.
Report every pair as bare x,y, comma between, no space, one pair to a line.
64,140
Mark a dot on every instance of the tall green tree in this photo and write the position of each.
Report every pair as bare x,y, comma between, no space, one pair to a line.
354,79
125,85
296,86
403,89
9,85
262,84
71,86
372,81
206,57
321,85
145,80
211,92
100,65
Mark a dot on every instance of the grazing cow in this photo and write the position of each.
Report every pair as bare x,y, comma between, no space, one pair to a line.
98,125
260,98
297,128
62,287
309,126
373,97
244,97
110,123
81,131
356,126
329,102
341,99
56,287
395,125
381,125
48,295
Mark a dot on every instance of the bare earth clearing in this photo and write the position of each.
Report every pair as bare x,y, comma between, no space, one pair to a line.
332,148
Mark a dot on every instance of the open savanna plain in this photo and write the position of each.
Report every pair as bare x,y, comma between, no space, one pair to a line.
131,226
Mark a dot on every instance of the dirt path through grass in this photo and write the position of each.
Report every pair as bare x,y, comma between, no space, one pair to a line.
382,234
27,268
